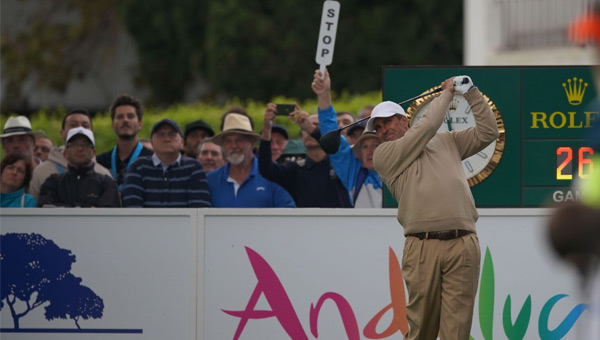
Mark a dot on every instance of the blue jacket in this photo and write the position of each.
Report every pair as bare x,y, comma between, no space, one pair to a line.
254,192
13,199
311,184
347,166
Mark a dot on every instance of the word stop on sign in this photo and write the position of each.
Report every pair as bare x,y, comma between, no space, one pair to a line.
329,21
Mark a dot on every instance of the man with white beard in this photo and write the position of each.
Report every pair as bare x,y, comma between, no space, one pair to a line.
238,184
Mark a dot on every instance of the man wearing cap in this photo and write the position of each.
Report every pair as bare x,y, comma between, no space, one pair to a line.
57,163
194,133
18,138
423,170
354,132
311,184
80,185
166,179
126,116
279,138
238,184
359,177
212,155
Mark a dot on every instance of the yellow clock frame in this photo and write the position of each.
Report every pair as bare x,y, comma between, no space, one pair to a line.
479,177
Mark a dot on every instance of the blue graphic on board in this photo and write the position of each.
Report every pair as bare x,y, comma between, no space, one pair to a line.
36,272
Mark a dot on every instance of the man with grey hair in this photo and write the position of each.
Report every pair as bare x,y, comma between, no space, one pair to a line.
238,184
210,155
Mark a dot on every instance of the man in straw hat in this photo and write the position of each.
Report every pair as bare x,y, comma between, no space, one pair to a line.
238,184
18,138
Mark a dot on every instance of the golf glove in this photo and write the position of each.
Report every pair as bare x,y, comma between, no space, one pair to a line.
462,84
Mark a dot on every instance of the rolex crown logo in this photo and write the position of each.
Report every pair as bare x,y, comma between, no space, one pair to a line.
453,105
575,90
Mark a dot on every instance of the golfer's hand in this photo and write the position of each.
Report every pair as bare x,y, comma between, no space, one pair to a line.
448,84
462,84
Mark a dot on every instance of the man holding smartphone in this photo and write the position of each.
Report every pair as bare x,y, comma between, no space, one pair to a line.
312,182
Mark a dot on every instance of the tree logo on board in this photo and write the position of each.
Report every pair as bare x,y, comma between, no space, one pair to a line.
36,272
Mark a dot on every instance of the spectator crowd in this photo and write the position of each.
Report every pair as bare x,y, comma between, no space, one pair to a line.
193,166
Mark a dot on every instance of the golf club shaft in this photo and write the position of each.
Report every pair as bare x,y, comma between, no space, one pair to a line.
401,103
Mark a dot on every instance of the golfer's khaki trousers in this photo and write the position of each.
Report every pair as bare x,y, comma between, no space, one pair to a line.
441,279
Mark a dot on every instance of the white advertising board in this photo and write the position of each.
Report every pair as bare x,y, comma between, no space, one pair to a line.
142,267
330,277
266,274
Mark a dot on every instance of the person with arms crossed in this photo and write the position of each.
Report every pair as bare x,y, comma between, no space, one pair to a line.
57,163
80,185
238,184
423,170
126,115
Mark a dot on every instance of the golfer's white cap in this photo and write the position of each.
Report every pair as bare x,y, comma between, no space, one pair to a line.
382,110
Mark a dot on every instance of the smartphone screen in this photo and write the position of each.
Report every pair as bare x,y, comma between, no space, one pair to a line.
285,109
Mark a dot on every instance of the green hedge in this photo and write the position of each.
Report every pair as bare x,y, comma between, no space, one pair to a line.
50,120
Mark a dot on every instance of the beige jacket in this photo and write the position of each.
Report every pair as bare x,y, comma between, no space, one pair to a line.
423,169
49,167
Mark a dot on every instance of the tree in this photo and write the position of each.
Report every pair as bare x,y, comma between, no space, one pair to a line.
36,271
72,300
258,49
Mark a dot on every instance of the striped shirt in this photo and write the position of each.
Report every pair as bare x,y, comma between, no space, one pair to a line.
151,183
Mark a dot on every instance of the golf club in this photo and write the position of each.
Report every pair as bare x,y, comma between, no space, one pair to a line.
330,142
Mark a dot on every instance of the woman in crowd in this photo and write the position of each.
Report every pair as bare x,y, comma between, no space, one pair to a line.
15,174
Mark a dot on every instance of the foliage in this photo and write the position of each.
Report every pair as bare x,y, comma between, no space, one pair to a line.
168,36
217,49
50,120
36,271
56,48
270,45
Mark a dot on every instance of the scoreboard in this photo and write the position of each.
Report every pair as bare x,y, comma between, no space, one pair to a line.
545,113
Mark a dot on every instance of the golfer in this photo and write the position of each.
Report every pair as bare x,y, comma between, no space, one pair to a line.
422,168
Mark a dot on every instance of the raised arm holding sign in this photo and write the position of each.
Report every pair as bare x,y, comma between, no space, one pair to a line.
329,21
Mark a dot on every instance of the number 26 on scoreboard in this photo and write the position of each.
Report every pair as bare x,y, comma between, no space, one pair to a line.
564,162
